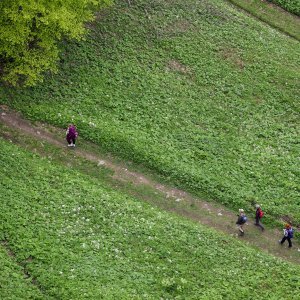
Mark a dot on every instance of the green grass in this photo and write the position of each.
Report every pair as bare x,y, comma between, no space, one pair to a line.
82,240
292,6
272,15
196,90
14,284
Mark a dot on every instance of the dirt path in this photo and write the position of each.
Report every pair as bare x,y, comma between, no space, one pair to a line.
123,176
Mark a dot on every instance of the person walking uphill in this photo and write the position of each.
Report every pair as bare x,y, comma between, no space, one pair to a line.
71,135
288,234
242,219
258,215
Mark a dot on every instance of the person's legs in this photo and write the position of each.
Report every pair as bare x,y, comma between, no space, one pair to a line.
241,229
73,141
69,142
290,242
257,223
283,240
260,226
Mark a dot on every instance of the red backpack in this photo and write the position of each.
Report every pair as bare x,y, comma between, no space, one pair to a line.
260,213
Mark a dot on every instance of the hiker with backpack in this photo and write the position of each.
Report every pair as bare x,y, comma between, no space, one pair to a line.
288,234
71,135
258,215
242,219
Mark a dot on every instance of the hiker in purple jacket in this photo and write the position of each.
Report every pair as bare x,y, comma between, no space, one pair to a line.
71,135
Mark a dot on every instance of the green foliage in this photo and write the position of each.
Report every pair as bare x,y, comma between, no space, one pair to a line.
292,6
270,14
82,240
30,31
14,284
196,90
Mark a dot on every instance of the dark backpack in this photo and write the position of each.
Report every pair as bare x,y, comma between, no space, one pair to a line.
243,219
291,233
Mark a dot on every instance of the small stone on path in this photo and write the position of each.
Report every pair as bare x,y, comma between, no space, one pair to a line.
101,163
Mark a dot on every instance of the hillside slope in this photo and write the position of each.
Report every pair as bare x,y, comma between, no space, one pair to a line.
196,90
79,239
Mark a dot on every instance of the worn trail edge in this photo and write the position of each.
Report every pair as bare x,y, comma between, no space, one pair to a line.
166,197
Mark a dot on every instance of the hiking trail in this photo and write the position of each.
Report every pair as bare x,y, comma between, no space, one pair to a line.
39,138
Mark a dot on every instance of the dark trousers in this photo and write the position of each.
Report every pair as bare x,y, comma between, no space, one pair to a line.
71,141
286,238
257,223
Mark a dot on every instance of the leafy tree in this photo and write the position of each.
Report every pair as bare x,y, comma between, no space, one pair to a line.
30,31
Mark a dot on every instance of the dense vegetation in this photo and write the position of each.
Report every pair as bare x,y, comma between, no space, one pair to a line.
292,6
13,284
196,90
78,239
30,31
272,15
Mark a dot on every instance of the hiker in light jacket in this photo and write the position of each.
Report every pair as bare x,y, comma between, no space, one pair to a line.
71,135
288,234
242,219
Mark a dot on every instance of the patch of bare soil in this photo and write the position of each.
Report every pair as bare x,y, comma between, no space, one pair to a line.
175,28
173,199
232,56
179,26
176,66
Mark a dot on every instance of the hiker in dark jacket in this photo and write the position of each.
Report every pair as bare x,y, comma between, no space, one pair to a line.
288,234
258,215
71,135
242,219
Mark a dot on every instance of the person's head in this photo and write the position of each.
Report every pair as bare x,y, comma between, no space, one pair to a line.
257,206
287,226
241,211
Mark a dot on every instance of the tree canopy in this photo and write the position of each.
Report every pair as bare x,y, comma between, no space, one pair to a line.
30,31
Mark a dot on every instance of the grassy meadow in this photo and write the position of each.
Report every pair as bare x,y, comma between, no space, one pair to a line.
75,238
14,284
292,6
198,91
272,15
